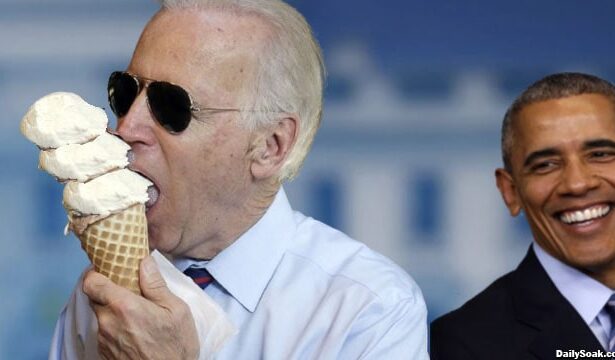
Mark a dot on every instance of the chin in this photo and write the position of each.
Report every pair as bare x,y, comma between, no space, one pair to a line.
592,259
153,238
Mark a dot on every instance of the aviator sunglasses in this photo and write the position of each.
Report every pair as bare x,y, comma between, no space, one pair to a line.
170,104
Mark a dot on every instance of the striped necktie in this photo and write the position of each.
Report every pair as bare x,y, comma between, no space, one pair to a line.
610,309
200,276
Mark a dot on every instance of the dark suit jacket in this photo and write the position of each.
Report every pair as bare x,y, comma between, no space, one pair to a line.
520,316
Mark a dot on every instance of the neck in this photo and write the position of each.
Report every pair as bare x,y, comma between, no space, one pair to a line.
244,217
604,275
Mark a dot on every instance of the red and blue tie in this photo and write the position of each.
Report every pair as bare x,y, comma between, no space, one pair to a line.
200,276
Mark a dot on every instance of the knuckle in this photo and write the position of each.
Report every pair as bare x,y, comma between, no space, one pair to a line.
101,317
181,311
158,284
92,286
104,325
125,308
87,283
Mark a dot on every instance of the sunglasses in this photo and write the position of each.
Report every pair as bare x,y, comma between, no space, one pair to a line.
170,104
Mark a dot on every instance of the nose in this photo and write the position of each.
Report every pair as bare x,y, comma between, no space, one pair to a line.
577,179
136,126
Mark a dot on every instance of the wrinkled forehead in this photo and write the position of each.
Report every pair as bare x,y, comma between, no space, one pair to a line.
595,110
207,51
569,121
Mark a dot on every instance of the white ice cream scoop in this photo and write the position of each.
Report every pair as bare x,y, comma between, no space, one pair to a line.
62,118
85,161
107,193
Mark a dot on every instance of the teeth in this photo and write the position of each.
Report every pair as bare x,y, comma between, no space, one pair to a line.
152,193
131,156
567,218
584,215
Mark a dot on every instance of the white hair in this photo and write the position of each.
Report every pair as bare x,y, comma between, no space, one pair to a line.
290,71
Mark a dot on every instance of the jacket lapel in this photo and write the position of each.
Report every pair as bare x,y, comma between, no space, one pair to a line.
538,304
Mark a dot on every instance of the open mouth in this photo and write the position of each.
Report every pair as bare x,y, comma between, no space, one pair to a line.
152,192
584,215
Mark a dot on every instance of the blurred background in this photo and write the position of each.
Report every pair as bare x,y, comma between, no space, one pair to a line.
404,160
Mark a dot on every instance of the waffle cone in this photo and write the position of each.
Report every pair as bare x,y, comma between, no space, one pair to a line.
117,244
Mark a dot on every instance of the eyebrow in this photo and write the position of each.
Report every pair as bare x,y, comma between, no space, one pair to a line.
533,156
598,143
590,144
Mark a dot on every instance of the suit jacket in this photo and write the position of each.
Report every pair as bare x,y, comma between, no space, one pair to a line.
521,315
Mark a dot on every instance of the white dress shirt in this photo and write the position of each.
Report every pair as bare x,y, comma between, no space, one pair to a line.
299,289
586,295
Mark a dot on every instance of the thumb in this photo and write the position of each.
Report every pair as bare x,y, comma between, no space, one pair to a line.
152,283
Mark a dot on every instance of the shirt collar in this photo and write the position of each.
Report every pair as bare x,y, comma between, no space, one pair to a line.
246,266
586,295
184,263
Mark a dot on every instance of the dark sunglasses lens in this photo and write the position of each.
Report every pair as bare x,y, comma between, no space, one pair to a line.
122,90
170,105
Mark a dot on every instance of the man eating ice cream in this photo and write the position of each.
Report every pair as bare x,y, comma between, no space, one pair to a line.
219,105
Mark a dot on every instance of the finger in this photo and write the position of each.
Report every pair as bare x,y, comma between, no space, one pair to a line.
97,308
101,290
104,351
95,287
153,286
107,329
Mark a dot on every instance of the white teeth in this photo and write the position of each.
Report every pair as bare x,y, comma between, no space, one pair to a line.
604,210
570,218
584,215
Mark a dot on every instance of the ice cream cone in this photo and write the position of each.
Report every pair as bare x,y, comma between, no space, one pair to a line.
92,162
117,244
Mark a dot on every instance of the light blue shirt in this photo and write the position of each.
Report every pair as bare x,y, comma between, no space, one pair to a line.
587,295
299,289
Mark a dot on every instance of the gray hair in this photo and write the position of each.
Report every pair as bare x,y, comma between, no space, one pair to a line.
290,71
554,86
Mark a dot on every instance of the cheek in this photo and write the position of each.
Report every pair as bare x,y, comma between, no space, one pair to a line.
186,162
536,194
211,156
607,175
216,164
231,145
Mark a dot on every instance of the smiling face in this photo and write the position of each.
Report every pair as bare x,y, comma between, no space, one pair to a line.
202,175
563,179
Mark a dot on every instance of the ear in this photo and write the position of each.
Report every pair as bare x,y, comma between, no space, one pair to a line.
272,146
508,190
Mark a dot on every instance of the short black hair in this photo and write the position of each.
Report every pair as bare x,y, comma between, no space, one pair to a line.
554,86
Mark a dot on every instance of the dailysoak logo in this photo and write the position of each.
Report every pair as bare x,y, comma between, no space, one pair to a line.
583,354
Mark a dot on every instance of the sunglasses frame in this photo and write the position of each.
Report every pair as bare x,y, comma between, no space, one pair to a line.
143,83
